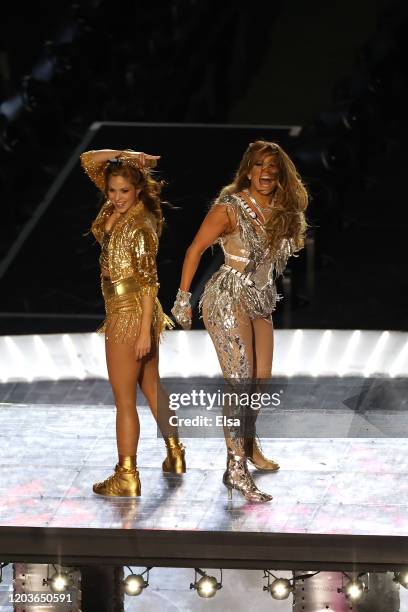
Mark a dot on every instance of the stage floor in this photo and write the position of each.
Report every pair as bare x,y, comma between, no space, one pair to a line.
52,454
340,498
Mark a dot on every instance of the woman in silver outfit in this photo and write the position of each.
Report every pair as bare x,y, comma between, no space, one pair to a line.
259,222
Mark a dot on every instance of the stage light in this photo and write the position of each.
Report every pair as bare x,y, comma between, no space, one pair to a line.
76,364
59,582
281,588
135,583
18,359
206,586
45,362
293,353
355,587
398,365
354,590
349,352
321,353
401,578
374,359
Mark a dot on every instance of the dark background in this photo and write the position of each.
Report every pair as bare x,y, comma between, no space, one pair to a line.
337,71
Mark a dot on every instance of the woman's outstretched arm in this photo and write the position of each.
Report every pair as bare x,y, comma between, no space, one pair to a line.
217,222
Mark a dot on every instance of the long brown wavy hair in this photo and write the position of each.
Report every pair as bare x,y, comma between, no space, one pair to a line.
288,218
140,178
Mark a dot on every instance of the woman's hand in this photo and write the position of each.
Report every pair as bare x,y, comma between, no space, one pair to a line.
143,344
182,309
184,319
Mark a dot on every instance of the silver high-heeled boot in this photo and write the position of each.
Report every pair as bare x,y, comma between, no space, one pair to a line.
237,476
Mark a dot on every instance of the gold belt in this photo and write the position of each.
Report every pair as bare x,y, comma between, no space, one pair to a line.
121,287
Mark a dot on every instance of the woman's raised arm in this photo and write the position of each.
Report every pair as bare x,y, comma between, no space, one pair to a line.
93,162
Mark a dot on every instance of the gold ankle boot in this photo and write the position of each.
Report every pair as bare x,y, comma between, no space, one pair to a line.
175,461
123,483
257,458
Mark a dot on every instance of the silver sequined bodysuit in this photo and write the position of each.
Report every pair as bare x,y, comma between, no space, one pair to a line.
243,289
245,283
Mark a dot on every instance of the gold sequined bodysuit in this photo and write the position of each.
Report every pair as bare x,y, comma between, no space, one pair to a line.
128,255
243,288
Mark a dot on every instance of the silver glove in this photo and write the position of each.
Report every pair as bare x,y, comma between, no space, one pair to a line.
181,309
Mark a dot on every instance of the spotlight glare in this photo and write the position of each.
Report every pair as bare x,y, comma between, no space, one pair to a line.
207,586
134,584
402,578
354,589
281,588
59,582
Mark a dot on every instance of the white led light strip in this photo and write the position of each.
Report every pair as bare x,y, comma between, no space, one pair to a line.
307,352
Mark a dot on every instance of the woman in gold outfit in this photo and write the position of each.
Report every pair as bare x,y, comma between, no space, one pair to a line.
127,228
259,222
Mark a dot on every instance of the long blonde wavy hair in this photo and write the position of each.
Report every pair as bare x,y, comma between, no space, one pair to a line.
150,189
291,198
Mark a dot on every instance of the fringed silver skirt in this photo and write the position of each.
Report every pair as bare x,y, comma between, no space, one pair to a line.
227,292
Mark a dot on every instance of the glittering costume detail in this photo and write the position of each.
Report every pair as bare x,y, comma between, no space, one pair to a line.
104,256
128,253
123,316
93,169
182,308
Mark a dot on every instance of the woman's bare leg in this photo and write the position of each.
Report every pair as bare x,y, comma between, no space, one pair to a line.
123,370
264,343
157,398
263,353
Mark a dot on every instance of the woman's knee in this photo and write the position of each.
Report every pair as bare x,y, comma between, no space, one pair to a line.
124,398
125,406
